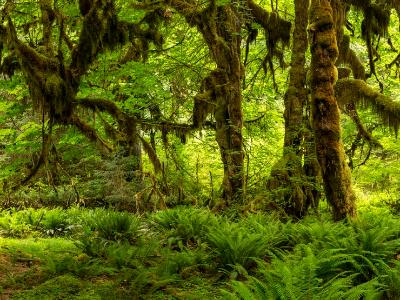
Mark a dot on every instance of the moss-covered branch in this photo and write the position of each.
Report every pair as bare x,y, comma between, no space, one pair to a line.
348,57
103,105
363,133
151,153
358,91
47,18
90,133
276,30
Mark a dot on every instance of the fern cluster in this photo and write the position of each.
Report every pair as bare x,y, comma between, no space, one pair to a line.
257,256
353,260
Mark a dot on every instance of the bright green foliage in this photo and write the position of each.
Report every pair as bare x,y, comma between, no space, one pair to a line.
331,261
254,257
176,246
184,226
55,222
234,245
12,227
115,226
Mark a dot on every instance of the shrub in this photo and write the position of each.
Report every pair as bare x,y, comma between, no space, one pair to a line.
56,222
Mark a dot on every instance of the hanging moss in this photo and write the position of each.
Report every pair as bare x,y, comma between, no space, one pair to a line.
204,103
102,30
220,26
358,91
376,18
93,29
351,111
89,132
151,153
277,35
9,65
48,17
348,57
51,86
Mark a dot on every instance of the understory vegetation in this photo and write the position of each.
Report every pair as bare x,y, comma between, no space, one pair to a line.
191,253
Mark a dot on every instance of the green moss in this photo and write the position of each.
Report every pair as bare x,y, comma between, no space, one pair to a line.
358,91
325,112
61,287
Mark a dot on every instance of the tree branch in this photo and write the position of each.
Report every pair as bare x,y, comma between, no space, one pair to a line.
89,132
358,91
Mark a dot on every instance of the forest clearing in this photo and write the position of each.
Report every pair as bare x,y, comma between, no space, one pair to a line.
186,149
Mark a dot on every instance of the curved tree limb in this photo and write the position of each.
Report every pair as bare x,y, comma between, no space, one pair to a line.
90,133
46,142
151,153
363,133
358,91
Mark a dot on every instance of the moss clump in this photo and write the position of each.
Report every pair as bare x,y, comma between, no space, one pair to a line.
61,287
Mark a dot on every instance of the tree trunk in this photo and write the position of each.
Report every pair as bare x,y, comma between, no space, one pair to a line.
228,112
288,183
220,27
325,111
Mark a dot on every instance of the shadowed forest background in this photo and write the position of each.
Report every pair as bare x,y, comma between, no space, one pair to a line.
199,150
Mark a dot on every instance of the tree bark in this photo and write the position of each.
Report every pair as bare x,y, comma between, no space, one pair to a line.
220,27
228,112
325,111
289,183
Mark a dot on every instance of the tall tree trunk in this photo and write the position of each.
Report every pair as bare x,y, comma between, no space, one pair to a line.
220,27
228,112
288,183
325,111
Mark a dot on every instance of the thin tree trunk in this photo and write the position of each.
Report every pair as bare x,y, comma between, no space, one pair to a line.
222,34
288,183
325,111
220,26
228,113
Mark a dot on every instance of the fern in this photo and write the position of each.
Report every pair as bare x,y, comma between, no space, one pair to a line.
115,226
233,245
184,226
354,260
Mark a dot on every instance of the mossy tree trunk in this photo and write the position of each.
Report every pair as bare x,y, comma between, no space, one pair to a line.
132,148
228,111
325,111
289,184
220,27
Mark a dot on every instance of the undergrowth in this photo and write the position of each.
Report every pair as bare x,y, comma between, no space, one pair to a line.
190,253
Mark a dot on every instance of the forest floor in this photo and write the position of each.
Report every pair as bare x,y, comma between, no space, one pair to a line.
190,253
